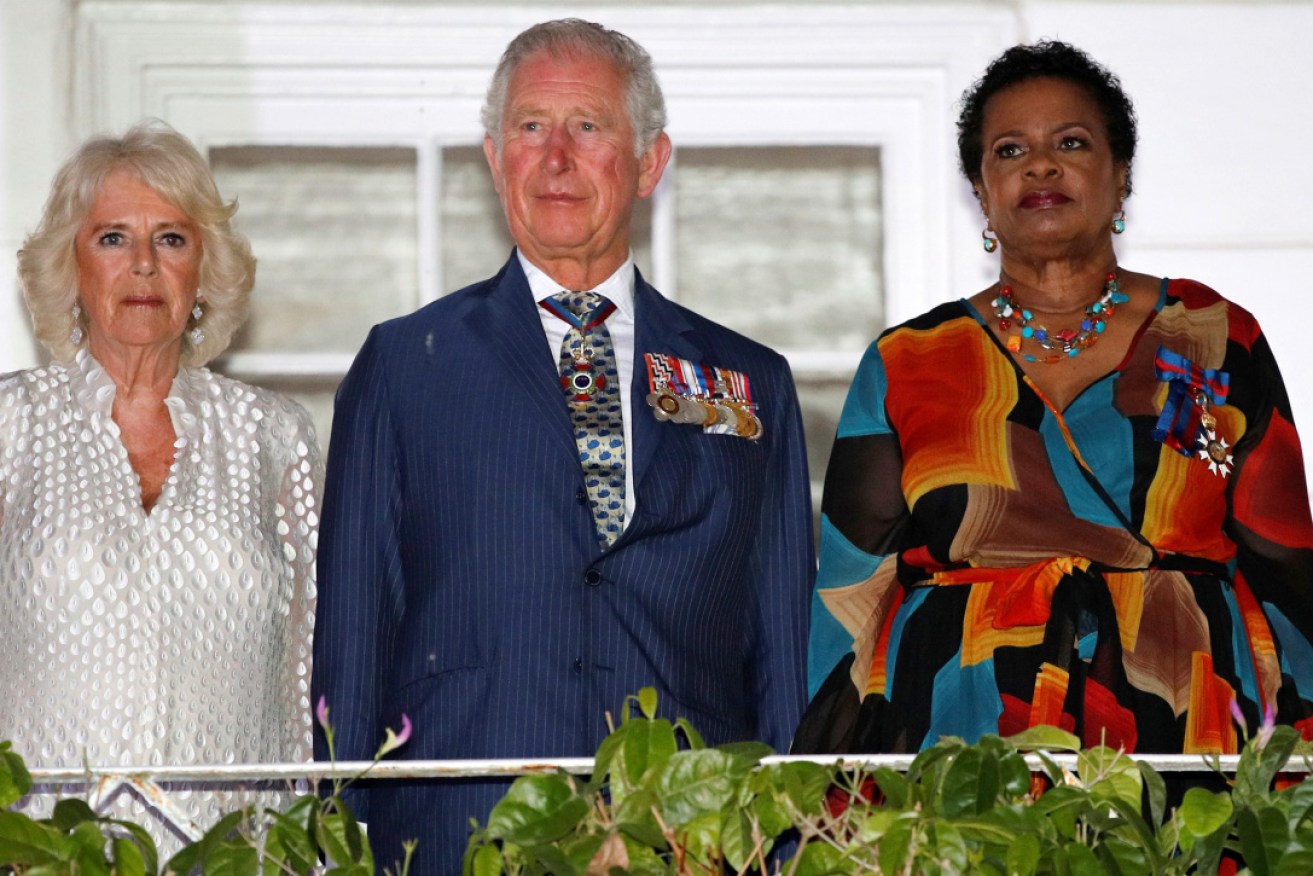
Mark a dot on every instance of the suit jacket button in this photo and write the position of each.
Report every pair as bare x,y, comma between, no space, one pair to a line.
578,666
581,497
592,577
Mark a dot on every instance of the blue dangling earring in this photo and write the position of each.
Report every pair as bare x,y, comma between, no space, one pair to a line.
990,243
1119,222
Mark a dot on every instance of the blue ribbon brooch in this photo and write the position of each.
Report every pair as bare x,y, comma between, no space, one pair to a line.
1186,425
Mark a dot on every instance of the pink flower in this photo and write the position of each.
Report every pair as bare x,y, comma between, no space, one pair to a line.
321,712
1239,718
1268,727
395,740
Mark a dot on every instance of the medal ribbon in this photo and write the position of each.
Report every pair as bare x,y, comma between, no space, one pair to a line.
1178,425
694,380
596,318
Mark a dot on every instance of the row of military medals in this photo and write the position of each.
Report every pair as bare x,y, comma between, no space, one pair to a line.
719,409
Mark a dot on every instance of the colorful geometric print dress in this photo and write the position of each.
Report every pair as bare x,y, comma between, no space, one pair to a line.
1117,569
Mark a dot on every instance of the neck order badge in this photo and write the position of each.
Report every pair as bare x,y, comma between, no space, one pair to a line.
592,389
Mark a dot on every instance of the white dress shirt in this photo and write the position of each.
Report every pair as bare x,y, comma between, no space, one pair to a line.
619,289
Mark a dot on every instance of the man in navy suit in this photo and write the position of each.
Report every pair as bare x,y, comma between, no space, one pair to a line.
477,570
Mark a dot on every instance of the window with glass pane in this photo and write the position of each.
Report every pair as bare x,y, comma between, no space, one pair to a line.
335,233
782,243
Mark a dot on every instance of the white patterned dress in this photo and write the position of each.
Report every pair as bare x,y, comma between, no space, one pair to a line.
178,636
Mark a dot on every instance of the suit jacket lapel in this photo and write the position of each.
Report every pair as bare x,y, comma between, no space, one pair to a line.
660,327
508,319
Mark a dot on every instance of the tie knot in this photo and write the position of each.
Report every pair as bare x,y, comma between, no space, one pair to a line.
581,304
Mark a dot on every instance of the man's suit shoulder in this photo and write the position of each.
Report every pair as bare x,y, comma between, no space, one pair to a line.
436,315
725,341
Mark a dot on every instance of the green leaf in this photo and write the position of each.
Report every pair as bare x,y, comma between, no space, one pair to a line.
635,818
289,842
89,850
1061,806
1120,856
1107,773
1257,768
1014,774
233,858
946,847
820,859
803,785
349,831
24,842
701,838
647,747
128,860
1202,812
771,816
195,854
893,785
335,832
150,856
736,837
1263,838
695,740
1023,856
1301,802
537,809
481,860
694,783
1046,738
647,702
896,842
745,755
555,861
69,813
1157,792
1083,862
971,784
15,781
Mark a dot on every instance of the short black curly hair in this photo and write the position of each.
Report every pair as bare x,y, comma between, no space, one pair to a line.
1046,59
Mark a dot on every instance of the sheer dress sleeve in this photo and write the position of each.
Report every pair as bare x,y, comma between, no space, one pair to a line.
1269,520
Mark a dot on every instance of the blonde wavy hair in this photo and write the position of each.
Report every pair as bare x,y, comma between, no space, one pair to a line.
167,162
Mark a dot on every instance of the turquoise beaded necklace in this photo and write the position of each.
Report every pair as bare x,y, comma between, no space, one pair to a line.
1067,342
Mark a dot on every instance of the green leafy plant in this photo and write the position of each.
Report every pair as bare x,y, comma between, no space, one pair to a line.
312,835
654,807
660,801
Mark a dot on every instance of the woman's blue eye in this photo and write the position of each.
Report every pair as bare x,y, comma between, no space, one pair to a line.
111,238
172,238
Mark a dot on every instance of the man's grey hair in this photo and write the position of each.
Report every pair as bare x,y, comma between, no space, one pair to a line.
573,37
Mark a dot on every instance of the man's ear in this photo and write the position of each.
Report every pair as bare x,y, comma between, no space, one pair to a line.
494,163
653,164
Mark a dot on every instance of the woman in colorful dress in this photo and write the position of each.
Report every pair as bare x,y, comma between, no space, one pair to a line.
157,520
1075,498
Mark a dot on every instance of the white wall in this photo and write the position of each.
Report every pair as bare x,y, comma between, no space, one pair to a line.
35,67
1221,180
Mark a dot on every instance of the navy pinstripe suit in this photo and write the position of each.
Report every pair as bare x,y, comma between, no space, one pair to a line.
460,581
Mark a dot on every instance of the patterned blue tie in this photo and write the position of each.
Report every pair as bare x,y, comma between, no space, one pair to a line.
592,389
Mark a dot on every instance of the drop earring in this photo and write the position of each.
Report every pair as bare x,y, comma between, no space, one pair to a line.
1119,222
75,336
990,243
197,333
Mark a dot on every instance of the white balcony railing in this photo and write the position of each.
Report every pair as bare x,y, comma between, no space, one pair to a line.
100,784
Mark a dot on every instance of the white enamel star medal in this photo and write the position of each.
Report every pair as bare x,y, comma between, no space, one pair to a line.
1211,447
